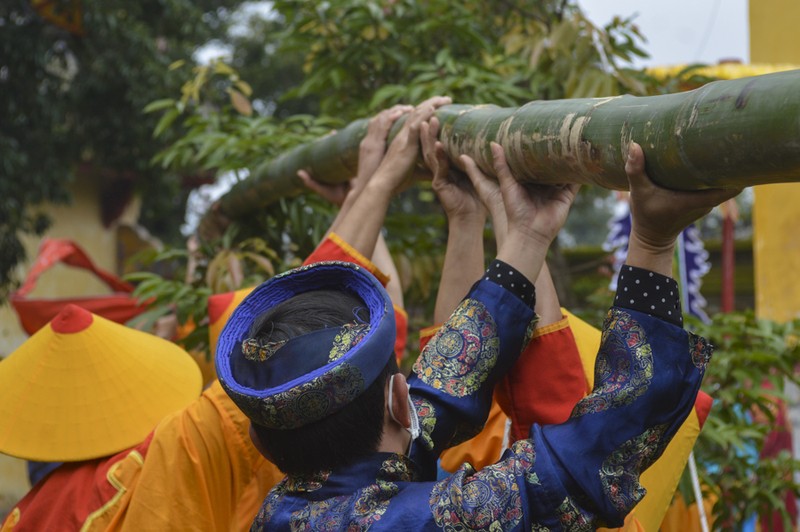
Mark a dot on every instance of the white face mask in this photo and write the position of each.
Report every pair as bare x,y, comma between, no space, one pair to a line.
414,428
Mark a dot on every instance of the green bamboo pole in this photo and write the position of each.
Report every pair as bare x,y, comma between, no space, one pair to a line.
738,133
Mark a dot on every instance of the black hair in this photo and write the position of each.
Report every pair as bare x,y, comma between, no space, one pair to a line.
346,435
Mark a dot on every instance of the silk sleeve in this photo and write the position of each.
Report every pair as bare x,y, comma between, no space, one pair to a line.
585,472
454,377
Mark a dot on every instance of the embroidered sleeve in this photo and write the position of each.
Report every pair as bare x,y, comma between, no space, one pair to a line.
647,376
455,375
585,472
521,492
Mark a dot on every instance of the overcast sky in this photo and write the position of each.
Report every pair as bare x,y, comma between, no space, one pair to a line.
682,31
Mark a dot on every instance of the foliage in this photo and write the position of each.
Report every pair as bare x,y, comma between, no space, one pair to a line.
198,272
747,375
359,56
259,56
364,55
72,97
218,129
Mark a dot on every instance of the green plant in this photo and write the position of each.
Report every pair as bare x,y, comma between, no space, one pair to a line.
71,96
195,273
753,360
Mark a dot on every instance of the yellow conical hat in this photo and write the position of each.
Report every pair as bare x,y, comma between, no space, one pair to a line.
84,387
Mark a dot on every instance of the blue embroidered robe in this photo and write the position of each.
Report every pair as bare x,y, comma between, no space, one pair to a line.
575,476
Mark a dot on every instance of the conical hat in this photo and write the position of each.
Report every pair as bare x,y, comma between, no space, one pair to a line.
84,387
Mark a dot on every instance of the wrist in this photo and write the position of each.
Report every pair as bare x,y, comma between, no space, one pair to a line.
464,220
653,245
388,178
351,197
526,238
525,254
377,187
653,256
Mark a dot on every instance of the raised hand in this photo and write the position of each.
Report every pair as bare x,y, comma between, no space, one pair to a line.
454,190
332,192
537,212
370,154
533,214
373,145
466,216
658,214
399,161
488,191
361,225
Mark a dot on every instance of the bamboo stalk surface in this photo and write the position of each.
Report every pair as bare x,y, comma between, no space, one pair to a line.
731,133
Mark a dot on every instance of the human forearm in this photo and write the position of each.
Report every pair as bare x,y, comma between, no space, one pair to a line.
382,258
656,257
362,223
525,253
463,264
548,307
658,215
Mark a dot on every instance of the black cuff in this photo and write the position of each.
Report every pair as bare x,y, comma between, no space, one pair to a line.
649,292
509,278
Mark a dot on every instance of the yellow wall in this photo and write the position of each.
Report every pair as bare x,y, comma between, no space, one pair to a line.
80,222
773,31
774,38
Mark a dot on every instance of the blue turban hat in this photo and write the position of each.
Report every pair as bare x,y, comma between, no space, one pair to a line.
288,384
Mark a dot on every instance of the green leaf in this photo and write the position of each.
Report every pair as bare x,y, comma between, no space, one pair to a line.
159,104
166,120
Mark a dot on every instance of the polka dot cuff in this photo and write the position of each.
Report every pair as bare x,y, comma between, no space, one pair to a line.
649,292
509,278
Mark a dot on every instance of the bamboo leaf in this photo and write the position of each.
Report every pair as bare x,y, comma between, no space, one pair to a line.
175,65
244,87
261,261
166,120
158,105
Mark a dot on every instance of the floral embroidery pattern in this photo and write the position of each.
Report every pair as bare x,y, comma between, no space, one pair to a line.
459,358
701,350
573,519
427,420
526,457
350,336
305,403
356,512
488,500
529,331
396,468
327,514
270,506
619,473
624,366
305,483
256,351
